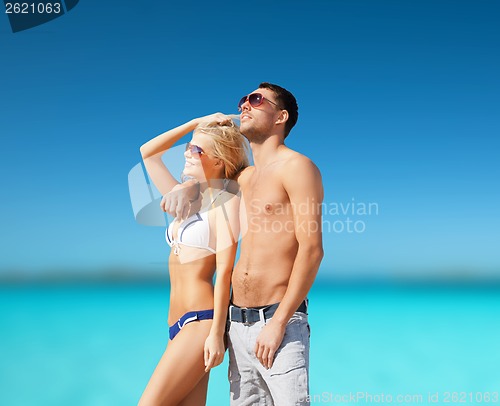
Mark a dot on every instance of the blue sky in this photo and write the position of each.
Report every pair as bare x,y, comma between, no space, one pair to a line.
398,106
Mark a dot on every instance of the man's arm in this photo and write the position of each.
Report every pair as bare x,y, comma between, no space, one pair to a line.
303,184
183,200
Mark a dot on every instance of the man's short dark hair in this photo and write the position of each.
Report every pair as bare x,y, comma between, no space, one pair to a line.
285,101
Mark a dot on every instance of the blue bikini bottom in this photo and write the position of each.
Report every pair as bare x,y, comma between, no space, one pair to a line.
188,318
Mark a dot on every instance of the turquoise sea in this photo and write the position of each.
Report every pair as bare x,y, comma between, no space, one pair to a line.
370,344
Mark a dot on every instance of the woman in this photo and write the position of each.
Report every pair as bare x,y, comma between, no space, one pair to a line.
203,244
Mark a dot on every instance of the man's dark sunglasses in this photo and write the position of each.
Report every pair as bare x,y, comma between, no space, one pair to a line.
255,100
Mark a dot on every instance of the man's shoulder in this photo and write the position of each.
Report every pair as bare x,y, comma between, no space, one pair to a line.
295,161
301,176
244,174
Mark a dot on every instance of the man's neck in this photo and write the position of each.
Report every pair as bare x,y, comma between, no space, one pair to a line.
265,153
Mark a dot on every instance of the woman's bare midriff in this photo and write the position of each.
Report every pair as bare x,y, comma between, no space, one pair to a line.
191,281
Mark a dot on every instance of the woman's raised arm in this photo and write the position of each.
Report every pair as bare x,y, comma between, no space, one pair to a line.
153,150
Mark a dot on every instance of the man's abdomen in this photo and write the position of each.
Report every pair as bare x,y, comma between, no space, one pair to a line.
263,270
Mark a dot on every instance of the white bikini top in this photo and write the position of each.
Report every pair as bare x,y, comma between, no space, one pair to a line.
192,232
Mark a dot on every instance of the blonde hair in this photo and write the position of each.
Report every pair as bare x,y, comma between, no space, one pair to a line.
229,145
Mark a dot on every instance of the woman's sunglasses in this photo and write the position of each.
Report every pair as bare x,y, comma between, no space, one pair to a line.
195,150
255,100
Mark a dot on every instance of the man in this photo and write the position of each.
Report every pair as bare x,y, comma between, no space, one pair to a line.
281,250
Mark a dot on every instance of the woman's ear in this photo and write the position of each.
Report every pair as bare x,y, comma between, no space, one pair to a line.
282,118
219,163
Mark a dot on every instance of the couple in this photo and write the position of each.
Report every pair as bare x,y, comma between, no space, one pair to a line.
278,215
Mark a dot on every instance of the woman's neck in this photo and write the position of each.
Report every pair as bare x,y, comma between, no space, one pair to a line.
211,184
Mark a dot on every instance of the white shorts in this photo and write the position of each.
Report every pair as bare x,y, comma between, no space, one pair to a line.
286,383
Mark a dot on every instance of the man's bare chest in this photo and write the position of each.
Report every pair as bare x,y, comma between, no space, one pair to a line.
265,196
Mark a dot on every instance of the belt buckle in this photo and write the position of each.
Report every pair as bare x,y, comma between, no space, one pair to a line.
244,316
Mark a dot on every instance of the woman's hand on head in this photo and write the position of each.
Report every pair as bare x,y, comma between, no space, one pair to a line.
219,118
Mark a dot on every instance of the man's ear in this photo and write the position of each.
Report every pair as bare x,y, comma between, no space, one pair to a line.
282,118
